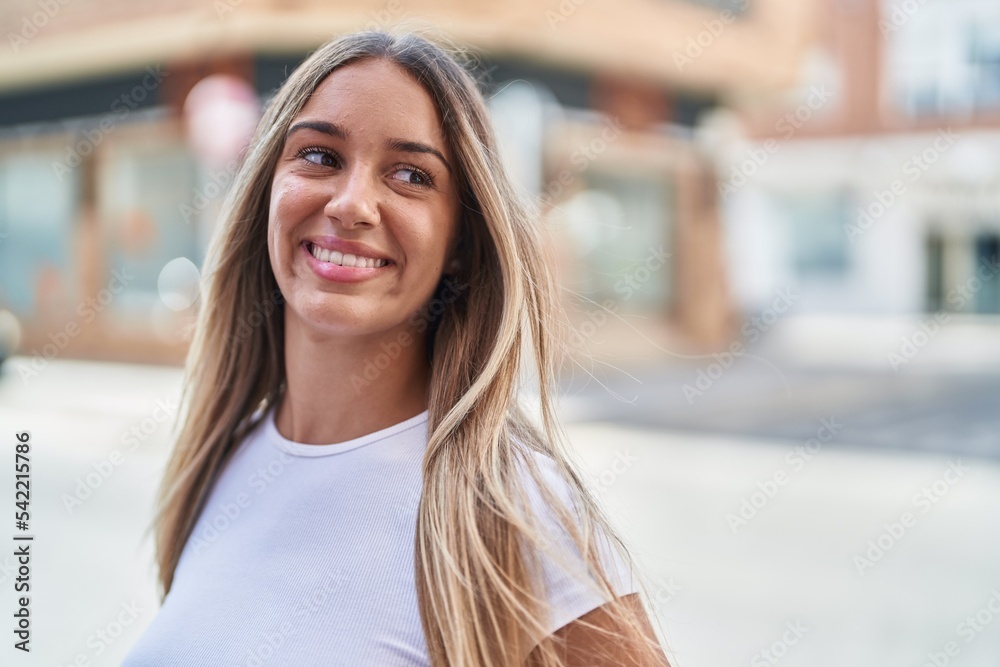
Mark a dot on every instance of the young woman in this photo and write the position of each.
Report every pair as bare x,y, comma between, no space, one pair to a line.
354,482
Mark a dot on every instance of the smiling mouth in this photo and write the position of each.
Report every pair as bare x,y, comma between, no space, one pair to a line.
342,259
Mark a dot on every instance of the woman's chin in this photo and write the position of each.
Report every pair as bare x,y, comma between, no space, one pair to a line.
336,319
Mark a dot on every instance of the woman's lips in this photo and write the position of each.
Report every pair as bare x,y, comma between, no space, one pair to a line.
343,267
345,259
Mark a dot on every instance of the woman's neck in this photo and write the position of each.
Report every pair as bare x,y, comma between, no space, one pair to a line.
340,388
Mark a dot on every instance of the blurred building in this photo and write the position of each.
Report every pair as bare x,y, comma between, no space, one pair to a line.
873,189
110,188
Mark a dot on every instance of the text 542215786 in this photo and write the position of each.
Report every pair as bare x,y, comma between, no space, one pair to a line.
22,541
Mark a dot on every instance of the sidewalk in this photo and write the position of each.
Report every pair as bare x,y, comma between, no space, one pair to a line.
921,343
726,596
721,597
929,342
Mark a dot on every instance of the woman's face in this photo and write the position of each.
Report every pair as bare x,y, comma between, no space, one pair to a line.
364,203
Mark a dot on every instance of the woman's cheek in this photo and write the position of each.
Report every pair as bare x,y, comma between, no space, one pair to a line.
280,203
290,196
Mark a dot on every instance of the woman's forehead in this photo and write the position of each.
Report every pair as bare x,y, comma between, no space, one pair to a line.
378,97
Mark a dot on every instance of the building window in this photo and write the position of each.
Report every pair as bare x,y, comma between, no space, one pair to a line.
935,273
37,220
962,273
620,226
815,227
943,58
987,296
144,185
984,45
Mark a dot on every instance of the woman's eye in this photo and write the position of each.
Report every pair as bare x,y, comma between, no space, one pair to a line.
412,176
321,158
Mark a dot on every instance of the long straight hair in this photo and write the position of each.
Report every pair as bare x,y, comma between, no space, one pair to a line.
478,542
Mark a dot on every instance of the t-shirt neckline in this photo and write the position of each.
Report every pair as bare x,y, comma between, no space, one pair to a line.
302,449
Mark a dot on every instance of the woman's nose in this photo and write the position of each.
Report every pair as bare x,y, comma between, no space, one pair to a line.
354,200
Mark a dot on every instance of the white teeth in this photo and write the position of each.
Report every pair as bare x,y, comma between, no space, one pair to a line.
337,257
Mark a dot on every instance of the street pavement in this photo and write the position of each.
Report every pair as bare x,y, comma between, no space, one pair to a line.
944,412
798,524
747,539
887,381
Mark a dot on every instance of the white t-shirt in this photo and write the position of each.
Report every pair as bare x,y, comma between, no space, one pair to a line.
303,555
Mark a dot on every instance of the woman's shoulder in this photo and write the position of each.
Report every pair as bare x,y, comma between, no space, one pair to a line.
554,469
552,487
569,582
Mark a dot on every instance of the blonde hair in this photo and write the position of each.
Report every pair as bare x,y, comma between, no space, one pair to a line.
477,542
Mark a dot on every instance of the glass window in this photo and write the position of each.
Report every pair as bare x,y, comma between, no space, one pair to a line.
942,58
985,284
37,209
815,224
984,54
144,187
620,225
935,273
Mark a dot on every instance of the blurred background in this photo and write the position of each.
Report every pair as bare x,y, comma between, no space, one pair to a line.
777,226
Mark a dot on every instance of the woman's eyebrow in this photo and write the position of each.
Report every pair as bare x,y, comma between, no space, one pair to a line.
332,129
405,146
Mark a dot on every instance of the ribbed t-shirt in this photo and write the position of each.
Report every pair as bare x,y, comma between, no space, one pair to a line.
303,555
